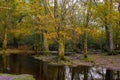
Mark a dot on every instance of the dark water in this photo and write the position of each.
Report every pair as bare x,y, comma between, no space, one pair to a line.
21,64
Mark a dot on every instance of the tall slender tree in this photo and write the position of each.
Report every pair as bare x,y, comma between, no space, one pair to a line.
108,25
86,24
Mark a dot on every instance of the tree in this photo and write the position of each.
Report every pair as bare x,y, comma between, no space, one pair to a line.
5,21
45,41
86,26
61,15
108,25
59,29
105,12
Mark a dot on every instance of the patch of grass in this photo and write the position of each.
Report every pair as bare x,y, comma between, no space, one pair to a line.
16,77
24,78
87,59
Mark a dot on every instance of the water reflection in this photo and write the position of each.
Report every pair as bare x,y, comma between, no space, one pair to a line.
21,64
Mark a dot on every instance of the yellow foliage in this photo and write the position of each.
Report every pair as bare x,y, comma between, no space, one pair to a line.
78,31
50,35
46,19
22,31
87,30
62,33
96,34
68,38
93,32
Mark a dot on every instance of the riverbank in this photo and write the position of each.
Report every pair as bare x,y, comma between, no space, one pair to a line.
110,62
16,77
16,51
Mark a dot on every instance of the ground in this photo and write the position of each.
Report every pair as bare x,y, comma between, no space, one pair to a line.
16,77
110,62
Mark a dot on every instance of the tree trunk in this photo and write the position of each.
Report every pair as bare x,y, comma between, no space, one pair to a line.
86,27
5,40
109,38
45,43
108,26
58,29
61,48
85,44
55,9
15,43
45,40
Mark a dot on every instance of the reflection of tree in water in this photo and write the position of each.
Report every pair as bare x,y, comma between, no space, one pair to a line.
52,72
75,74
91,73
109,75
5,63
118,75
79,73
97,73
1,64
106,74
112,75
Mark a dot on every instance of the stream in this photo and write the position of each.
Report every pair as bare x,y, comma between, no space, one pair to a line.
26,64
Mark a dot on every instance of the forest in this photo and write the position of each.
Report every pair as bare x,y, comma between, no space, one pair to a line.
67,25
62,31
